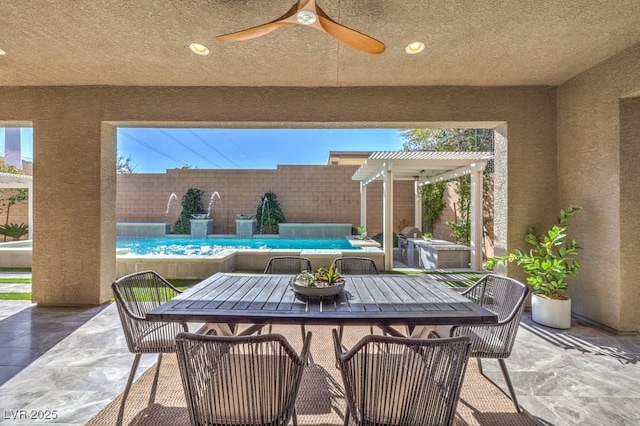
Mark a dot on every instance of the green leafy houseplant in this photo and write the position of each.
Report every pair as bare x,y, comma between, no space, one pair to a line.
551,260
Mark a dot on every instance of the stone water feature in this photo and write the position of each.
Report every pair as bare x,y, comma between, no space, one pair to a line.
246,225
201,226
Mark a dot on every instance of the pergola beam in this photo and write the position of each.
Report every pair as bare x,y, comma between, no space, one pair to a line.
453,174
377,174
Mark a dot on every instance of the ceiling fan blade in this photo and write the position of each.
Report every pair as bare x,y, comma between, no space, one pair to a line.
350,37
250,33
261,30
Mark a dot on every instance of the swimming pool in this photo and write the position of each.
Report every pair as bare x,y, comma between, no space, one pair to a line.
209,246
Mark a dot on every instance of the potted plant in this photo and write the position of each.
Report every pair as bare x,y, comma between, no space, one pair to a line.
320,282
427,235
362,231
547,266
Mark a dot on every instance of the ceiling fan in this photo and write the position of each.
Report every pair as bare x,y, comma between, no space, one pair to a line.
307,12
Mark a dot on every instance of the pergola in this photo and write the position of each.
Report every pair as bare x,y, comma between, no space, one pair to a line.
15,181
423,167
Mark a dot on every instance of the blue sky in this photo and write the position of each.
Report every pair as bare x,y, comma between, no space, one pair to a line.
153,150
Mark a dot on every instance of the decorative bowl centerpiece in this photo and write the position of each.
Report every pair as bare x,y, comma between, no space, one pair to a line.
200,216
244,216
322,282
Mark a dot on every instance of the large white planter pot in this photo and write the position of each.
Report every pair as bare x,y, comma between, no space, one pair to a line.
551,312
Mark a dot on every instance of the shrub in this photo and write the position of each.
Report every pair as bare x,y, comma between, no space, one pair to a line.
191,204
269,214
14,230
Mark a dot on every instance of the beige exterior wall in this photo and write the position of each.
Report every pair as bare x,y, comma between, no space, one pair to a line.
314,194
75,155
598,154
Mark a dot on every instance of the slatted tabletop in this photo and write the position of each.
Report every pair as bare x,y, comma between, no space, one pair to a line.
383,300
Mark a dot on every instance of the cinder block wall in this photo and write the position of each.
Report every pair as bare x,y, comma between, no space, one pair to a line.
315,194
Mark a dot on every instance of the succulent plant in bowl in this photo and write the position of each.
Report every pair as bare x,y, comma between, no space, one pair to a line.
305,278
321,282
327,277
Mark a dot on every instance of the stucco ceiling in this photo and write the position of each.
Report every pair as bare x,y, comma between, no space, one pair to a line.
469,42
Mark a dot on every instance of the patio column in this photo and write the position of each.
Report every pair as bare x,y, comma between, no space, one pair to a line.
417,206
475,235
387,216
363,204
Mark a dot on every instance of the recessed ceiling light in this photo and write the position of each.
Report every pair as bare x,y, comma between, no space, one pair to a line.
199,49
415,47
2,52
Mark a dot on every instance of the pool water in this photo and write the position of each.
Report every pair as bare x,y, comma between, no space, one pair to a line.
203,247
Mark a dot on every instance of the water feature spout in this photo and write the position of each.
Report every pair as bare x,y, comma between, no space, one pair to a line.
265,206
172,197
215,194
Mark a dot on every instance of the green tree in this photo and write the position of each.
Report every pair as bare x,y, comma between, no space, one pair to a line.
124,165
432,204
449,140
191,204
269,214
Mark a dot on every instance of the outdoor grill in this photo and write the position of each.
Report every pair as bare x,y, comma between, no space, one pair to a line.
403,240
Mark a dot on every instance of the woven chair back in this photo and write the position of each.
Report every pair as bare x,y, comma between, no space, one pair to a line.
403,381
287,265
355,266
505,297
135,295
240,380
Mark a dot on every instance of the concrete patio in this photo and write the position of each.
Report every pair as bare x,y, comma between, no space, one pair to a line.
74,361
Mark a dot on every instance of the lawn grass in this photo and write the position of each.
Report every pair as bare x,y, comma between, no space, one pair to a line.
15,280
15,269
15,296
183,284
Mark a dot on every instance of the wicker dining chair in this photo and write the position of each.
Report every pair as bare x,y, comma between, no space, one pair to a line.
355,266
287,265
135,295
505,297
240,380
402,381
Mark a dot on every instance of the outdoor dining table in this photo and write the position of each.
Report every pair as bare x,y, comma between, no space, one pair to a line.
386,301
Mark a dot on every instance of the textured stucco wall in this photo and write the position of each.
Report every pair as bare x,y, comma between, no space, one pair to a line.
596,171
74,169
629,205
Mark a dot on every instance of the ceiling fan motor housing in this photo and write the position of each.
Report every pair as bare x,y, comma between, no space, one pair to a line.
306,17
